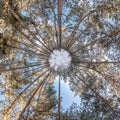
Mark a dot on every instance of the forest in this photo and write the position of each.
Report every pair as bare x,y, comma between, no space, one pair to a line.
77,41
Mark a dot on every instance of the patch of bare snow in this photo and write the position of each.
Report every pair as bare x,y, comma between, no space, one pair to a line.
60,60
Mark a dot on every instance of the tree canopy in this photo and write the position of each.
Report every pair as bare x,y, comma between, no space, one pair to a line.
30,32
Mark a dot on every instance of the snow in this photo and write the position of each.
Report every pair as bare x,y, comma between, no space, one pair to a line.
60,60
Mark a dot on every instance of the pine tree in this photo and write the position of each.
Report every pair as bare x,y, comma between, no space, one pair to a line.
44,107
87,30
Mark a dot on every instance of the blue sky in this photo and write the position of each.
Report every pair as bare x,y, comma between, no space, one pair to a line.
67,95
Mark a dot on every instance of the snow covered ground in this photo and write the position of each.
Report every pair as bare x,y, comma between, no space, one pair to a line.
60,60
